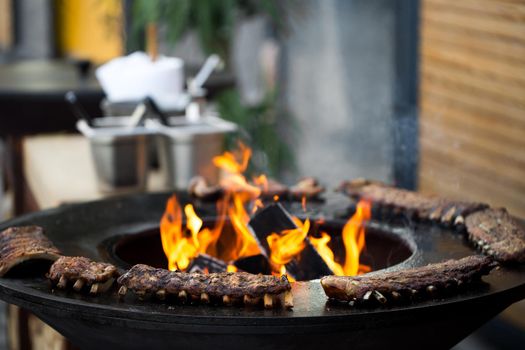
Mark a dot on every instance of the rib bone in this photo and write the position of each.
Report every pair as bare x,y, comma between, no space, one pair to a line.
100,276
78,284
407,284
425,207
268,301
229,287
497,234
19,244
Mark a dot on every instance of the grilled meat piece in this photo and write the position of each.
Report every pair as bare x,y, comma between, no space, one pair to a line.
97,276
421,206
307,187
272,188
229,287
497,234
199,188
19,244
402,286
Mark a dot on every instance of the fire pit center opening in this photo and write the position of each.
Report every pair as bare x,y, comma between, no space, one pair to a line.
383,249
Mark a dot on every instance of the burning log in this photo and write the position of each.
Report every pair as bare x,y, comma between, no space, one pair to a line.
254,264
308,264
406,285
307,187
497,234
226,287
96,276
20,244
425,207
204,263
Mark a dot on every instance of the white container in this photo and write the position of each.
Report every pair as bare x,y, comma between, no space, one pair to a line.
136,76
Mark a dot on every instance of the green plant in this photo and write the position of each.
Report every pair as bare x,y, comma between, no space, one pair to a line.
214,23
259,129
213,20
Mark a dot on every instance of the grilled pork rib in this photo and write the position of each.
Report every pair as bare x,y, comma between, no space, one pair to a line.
406,285
307,187
423,207
19,244
229,287
96,276
200,189
497,234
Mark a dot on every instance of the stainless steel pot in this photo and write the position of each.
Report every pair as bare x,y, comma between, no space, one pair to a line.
119,153
187,148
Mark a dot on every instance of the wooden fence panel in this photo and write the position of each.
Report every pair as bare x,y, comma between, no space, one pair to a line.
472,101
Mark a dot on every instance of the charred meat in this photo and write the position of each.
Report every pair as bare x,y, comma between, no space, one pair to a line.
307,187
82,272
497,234
19,244
407,285
424,207
226,287
271,188
200,189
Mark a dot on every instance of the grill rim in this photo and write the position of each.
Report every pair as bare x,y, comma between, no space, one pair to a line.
18,292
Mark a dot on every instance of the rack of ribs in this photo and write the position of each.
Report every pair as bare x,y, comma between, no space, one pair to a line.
82,272
417,205
307,187
19,244
418,283
226,287
497,234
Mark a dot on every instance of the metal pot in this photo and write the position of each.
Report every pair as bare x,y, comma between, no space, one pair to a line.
119,153
187,148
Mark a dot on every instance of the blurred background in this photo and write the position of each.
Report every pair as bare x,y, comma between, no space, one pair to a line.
428,95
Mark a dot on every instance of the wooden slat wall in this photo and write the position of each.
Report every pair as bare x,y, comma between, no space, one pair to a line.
472,101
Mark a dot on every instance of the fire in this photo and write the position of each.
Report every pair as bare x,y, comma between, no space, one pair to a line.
353,239
181,246
228,161
261,181
193,222
182,243
286,245
178,247
246,244
321,245
233,165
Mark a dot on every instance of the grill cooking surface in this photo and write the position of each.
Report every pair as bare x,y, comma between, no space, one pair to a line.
80,230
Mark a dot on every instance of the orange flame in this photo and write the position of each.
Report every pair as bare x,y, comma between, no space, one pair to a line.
258,204
353,239
228,160
179,249
261,181
246,244
321,245
183,243
286,245
181,246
